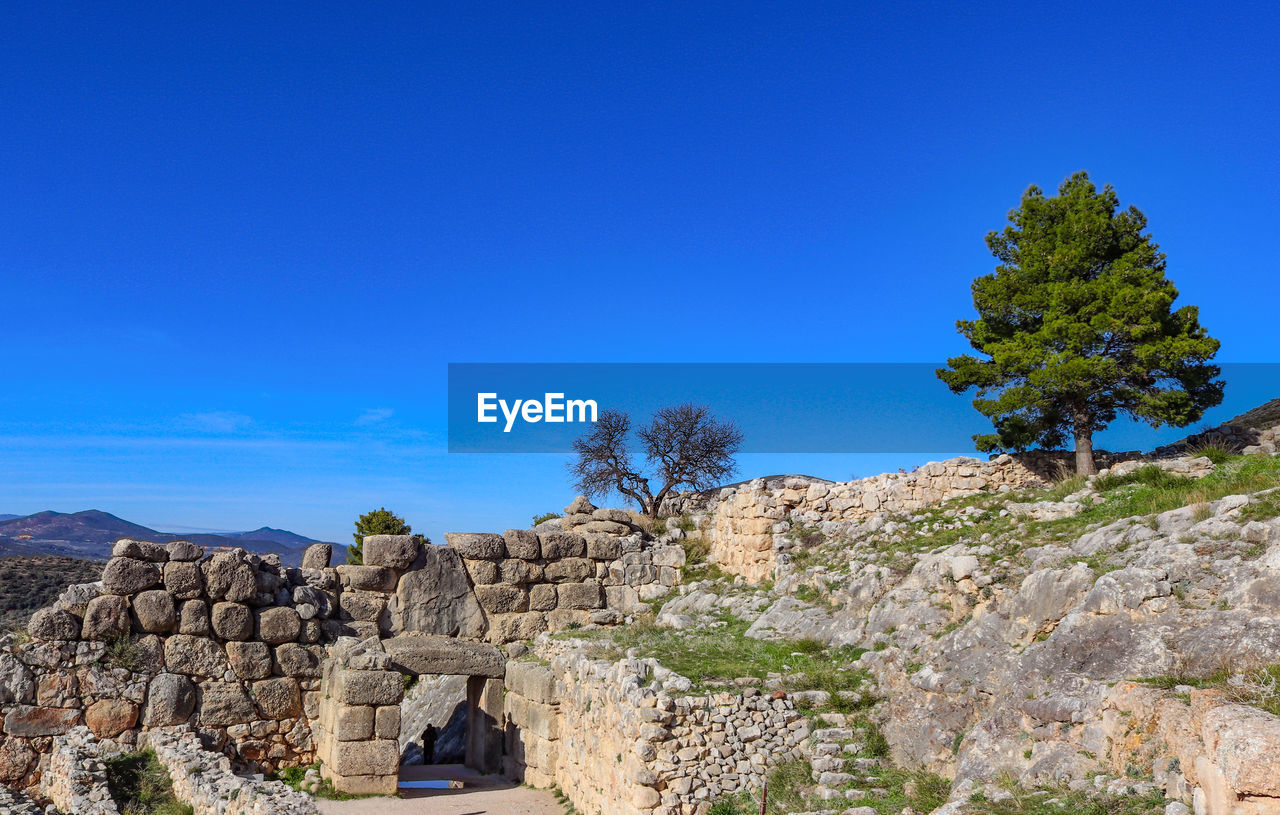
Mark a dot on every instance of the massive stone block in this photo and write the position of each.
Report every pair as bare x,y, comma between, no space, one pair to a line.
317,556
277,698
570,570
54,624
194,656
426,654
522,543
232,621
193,618
277,625
183,579
108,718
368,687
362,758
25,720
227,577
224,703
580,595
437,598
500,598
106,618
299,660
392,551
557,545
477,545
171,699
250,660
367,578
126,575
153,612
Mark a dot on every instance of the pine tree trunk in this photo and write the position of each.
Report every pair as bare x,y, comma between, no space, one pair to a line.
1084,447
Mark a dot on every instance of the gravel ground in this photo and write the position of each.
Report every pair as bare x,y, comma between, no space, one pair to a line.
481,795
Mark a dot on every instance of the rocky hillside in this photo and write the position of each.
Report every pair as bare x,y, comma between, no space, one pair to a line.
1109,644
31,583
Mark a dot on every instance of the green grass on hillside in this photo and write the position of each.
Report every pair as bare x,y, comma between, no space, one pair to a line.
724,653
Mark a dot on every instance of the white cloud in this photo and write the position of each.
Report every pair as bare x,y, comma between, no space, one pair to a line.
374,416
216,421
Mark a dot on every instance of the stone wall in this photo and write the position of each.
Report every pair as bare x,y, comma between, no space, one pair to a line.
233,643
207,783
748,524
76,780
594,566
614,738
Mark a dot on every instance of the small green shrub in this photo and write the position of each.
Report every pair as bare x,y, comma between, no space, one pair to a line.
546,516
140,785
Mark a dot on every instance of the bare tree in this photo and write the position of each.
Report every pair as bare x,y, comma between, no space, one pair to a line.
683,446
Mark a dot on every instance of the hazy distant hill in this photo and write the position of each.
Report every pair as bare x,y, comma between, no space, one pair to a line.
4,517
90,533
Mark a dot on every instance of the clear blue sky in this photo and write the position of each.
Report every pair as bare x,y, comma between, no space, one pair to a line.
239,243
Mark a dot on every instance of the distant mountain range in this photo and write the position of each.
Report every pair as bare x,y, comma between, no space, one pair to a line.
90,534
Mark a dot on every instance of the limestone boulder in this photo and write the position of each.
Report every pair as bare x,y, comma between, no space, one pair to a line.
317,556
232,621
277,625
29,721
193,618
17,684
126,575
367,578
501,598
16,760
587,595
108,718
221,704
106,618
391,551
522,544
444,656
297,660
54,624
228,577
75,598
140,550
184,551
194,656
277,698
558,545
250,660
476,545
183,579
171,699
154,613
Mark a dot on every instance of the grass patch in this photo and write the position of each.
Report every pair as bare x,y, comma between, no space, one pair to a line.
1060,801
140,785
1263,509
122,653
714,655
1258,686
295,776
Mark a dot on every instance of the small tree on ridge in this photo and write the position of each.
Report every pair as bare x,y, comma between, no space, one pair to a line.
378,522
683,446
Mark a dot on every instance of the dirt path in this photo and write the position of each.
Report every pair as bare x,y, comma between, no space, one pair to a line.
480,795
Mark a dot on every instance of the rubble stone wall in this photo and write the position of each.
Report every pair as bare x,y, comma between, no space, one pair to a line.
615,739
747,525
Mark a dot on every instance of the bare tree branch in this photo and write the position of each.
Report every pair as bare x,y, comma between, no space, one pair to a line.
684,446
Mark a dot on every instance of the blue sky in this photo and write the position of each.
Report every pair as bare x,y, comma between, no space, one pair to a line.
240,243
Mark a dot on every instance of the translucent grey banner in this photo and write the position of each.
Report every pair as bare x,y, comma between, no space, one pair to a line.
780,407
